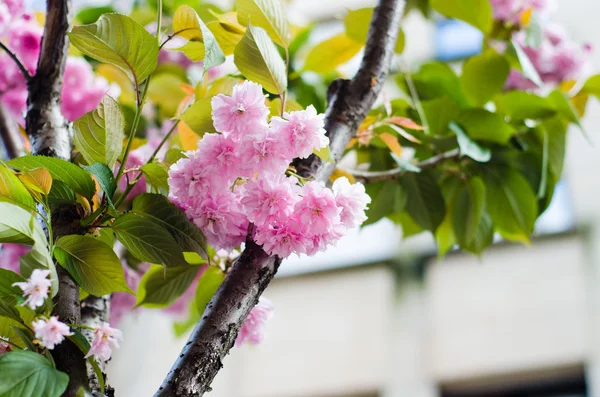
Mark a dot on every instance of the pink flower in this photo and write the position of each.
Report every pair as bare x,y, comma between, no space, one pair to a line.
188,178
25,39
220,217
317,211
239,113
10,255
105,340
82,90
263,151
253,329
50,332
15,7
4,345
303,131
353,200
282,240
270,200
35,288
218,155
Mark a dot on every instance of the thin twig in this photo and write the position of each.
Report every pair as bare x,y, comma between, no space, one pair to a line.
377,176
414,95
17,60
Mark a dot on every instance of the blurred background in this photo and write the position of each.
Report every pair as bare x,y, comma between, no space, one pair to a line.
379,316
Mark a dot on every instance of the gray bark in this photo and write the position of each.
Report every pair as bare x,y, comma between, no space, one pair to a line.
349,103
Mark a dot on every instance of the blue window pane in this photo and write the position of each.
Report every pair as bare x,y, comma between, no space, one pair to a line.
455,40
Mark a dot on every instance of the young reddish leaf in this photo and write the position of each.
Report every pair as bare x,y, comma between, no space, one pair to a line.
391,142
405,123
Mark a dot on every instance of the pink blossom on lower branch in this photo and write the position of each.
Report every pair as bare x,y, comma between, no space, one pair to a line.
50,332
105,340
35,288
353,200
253,329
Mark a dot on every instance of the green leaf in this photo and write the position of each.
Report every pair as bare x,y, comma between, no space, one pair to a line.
566,109
435,80
105,178
99,134
120,41
147,241
331,53
12,188
483,76
160,287
519,105
208,284
174,220
439,112
203,45
7,310
267,14
469,147
484,125
527,67
199,117
61,193
7,279
92,264
28,374
467,210
483,237
258,59
592,86
324,154
61,170
511,203
16,224
475,12
444,234
425,202
157,176
389,198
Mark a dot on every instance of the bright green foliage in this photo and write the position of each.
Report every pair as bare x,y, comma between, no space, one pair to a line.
475,12
258,59
99,134
92,264
27,374
267,14
160,287
120,41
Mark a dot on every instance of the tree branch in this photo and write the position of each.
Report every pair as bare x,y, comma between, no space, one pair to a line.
17,60
349,103
9,133
50,134
377,176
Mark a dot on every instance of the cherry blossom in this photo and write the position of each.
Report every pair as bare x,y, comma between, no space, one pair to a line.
50,332
239,177
35,288
253,329
105,340
10,255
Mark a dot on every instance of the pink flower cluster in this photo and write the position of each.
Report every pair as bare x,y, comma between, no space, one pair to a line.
511,10
238,177
105,340
557,59
36,288
50,332
82,90
253,329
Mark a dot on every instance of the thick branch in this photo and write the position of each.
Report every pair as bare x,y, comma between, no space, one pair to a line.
49,132
50,135
377,176
215,333
9,133
95,310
